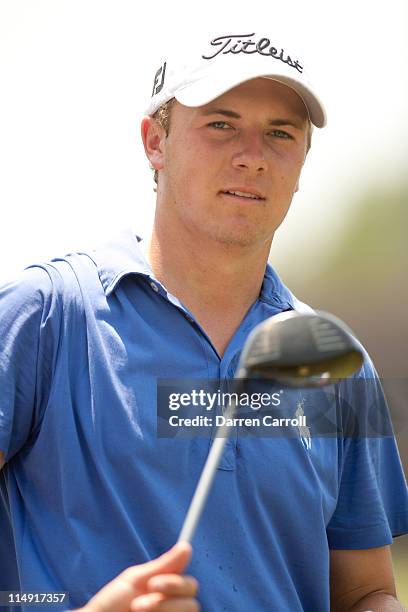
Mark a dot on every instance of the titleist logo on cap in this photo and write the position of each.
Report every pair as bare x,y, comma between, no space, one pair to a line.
235,44
242,43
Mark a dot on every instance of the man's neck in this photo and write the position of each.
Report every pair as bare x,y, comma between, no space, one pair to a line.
217,282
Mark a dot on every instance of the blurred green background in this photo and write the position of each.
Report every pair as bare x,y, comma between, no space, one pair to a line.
361,276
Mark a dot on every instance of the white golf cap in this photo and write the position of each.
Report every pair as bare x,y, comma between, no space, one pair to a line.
204,73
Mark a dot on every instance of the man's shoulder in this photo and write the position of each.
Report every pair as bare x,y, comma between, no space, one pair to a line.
52,283
80,275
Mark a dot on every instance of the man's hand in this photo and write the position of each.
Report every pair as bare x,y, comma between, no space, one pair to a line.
156,585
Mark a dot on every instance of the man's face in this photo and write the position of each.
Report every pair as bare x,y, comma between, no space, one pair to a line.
253,140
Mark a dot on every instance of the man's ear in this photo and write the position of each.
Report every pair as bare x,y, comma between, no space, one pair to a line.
153,137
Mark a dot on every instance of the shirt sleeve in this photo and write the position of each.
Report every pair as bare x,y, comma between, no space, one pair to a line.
29,330
372,505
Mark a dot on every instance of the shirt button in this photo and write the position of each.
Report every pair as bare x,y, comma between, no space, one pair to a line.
154,286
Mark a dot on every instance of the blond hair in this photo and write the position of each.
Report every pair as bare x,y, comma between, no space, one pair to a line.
162,116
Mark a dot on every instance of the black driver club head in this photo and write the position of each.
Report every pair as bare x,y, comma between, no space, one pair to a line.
300,349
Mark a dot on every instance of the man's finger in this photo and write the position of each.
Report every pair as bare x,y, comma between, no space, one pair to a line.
173,561
173,585
117,594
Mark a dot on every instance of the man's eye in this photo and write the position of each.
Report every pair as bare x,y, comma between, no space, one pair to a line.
219,125
280,134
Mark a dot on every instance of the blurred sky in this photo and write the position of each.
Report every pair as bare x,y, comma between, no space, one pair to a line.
75,76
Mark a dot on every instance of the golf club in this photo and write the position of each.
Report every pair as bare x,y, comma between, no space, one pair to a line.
295,349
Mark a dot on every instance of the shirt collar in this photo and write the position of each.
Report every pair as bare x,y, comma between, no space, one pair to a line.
120,256
276,293
123,255
272,290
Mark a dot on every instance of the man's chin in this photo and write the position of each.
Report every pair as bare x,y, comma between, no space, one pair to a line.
242,237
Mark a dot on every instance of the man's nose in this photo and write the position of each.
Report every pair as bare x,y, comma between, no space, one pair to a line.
250,153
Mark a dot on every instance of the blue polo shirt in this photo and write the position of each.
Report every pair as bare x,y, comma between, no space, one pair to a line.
89,489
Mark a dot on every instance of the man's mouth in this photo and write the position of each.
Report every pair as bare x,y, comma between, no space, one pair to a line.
243,194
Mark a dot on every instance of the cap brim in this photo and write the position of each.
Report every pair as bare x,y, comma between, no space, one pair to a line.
211,86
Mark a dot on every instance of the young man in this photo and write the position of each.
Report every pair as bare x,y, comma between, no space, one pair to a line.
91,489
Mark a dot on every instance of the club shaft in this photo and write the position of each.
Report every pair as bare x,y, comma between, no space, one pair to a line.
206,479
